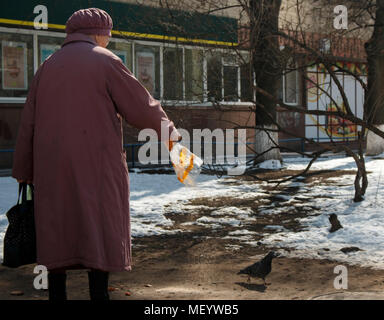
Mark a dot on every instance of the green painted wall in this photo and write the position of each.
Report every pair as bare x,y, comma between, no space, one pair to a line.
131,18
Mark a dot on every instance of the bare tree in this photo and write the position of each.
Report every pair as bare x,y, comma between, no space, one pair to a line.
265,51
374,110
297,43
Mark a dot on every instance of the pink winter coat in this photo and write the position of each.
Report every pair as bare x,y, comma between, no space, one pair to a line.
70,144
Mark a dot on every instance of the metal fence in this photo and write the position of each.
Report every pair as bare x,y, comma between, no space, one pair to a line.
132,148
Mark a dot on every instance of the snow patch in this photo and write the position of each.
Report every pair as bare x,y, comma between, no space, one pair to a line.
270,165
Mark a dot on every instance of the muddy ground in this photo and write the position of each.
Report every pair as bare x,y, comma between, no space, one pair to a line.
200,264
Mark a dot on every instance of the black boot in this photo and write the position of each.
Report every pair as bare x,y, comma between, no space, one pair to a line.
57,286
98,285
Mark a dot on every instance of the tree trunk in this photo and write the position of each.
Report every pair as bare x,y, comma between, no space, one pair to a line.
264,18
374,108
266,142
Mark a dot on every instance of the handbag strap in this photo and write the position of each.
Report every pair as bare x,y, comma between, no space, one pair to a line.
32,191
23,187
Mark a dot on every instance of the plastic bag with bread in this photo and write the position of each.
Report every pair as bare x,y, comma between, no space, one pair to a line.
186,164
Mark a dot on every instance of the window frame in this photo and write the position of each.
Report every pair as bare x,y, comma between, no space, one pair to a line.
297,87
36,33
183,93
236,65
132,51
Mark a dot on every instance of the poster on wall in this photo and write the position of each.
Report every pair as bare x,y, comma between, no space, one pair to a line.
145,70
14,65
122,55
46,50
320,89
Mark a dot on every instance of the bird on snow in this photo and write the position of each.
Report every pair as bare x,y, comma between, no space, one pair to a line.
335,223
261,268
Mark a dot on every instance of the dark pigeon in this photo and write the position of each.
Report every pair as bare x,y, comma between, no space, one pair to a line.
261,268
335,223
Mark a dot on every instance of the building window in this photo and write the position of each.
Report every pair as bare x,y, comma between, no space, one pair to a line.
147,68
289,91
223,73
16,55
246,82
173,73
48,46
190,74
325,46
290,88
214,76
194,86
123,50
231,83
231,77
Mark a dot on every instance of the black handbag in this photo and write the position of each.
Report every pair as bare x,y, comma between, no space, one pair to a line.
20,237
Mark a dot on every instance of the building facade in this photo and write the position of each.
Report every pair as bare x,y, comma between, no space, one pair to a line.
185,68
307,83
193,62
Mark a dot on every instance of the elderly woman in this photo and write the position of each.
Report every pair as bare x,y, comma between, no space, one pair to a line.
70,145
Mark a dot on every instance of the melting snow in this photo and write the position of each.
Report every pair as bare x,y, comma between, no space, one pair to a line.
152,196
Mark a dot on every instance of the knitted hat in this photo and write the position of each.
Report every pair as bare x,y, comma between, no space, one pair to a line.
90,21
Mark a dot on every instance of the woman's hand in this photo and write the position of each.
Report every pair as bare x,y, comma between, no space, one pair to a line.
169,144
